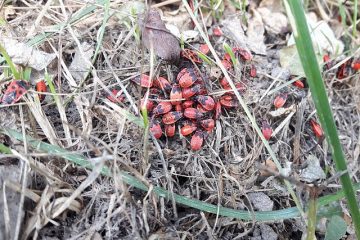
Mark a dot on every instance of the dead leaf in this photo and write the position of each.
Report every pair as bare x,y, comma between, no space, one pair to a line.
81,63
261,201
275,22
313,171
255,34
154,32
24,55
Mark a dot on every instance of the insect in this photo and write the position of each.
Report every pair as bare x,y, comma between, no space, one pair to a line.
188,104
192,113
299,84
206,102
316,128
266,130
244,54
172,117
280,100
228,101
162,108
155,129
187,77
162,83
191,55
170,130
208,124
143,80
356,65
197,140
176,94
227,64
149,104
15,90
252,70
217,32
41,87
204,48
188,128
116,96
189,92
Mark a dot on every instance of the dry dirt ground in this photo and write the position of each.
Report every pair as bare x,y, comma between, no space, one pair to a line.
86,58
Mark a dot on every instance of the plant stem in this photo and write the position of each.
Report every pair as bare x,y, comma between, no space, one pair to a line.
311,68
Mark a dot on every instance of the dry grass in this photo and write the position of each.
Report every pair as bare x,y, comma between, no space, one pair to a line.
68,202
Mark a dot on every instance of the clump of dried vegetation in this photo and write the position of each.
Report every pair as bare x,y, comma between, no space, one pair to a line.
85,50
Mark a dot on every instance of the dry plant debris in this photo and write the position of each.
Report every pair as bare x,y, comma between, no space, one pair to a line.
90,79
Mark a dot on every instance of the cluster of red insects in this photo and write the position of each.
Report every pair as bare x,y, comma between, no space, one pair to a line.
186,103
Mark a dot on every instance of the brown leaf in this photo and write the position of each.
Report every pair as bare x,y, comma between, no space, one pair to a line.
156,35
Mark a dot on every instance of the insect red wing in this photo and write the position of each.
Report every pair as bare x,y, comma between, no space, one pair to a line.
178,108
253,71
280,100
162,108
172,117
217,31
187,77
143,80
149,104
187,129
176,94
162,83
192,113
41,87
208,124
15,90
189,92
204,48
206,102
316,129
299,84
227,64
266,130
356,65
197,140
170,130
188,103
224,82
155,129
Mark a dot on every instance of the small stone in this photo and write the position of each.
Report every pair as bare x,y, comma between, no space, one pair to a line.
261,201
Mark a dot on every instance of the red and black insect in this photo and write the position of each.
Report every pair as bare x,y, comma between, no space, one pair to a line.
280,100
188,128
206,102
299,84
204,48
191,55
15,90
172,117
162,83
228,101
197,140
143,80
41,87
187,77
319,133
193,113
244,54
149,104
170,130
155,128
187,104
176,94
189,92
266,130
162,108
208,124
116,96
252,70
356,64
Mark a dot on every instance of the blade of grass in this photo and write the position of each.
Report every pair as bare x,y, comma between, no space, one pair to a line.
8,60
244,106
160,192
355,9
310,65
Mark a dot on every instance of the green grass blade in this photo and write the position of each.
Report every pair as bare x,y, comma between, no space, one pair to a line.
197,204
312,71
8,60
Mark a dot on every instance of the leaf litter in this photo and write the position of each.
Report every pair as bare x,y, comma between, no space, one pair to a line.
223,173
